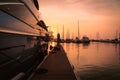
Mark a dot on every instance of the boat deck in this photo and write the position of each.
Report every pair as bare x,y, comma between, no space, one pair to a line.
55,67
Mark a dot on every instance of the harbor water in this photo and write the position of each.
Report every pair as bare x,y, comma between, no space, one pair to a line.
94,61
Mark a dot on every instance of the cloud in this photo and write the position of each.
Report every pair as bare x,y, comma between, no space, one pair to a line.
97,7
104,7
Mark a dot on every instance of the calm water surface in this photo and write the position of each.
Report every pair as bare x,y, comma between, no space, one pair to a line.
95,61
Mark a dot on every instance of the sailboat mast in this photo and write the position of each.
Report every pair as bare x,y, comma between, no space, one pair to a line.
63,31
116,35
119,32
119,35
78,30
67,34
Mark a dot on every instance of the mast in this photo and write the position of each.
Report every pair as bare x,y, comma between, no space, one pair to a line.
119,35
78,30
72,36
116,35
97,36
119,32
63,32
68,34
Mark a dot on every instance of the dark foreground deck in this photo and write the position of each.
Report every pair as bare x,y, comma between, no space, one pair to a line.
55,67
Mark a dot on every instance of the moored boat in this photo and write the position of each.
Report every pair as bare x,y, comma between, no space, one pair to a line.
85,40
22,33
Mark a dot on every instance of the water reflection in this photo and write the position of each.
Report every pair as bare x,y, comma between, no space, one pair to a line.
118,50
85,45
77,57
95,61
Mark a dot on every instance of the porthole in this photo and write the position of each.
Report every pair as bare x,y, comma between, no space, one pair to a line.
36,4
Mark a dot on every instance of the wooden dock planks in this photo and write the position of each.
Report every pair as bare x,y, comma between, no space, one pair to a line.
57,67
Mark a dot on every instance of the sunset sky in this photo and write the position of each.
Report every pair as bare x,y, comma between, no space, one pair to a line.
95,16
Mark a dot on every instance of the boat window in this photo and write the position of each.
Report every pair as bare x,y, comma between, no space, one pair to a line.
36,4
9,1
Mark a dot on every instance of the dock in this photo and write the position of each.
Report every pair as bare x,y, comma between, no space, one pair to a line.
55,67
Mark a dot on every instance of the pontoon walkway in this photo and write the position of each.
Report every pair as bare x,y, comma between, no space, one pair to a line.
57,67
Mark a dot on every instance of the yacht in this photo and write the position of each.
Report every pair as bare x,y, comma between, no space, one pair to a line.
23,42
85,39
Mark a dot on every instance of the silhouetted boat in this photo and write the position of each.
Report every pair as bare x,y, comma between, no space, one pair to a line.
68,41
22,38
77,41
85,40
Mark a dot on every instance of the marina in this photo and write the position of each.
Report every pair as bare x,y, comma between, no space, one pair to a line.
73,42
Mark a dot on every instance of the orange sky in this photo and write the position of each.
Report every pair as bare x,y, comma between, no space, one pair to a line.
94,16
